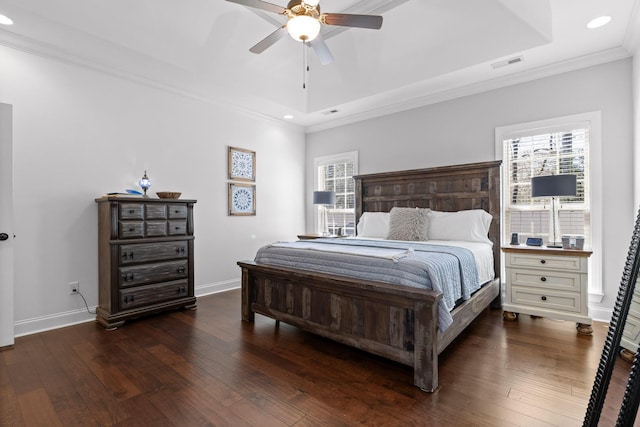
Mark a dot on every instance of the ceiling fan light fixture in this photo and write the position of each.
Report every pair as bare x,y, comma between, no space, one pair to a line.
303,28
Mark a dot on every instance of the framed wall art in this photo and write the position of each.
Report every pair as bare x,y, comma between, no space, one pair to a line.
242,164
242,199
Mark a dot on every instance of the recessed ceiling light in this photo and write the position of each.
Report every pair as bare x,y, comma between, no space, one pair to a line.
598,22
5,20
288,116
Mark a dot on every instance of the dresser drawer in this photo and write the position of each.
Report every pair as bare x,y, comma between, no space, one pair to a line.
130,229
177,228
131,211
547,299
546,279
177,211
155,228
146,252
548,262
155,211
152,273
152,294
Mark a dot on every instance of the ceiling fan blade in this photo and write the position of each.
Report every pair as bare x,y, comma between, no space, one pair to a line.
259,4
350,20
322,50
262,45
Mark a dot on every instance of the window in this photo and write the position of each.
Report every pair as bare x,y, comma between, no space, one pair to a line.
565,145
335,173
544,152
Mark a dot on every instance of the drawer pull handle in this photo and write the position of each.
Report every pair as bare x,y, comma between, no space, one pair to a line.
131,211
132,229
544,279
127,255
127,277
543,298
543,261
180,270
128,299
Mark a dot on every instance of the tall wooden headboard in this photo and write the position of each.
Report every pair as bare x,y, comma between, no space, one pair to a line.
446,188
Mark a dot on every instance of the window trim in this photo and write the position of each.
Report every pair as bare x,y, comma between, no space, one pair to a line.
594,118
349,156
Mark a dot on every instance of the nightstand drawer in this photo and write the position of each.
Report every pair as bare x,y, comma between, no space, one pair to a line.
548,262
547,299
556,280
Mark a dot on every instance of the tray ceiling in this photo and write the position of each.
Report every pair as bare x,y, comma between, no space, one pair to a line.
425,47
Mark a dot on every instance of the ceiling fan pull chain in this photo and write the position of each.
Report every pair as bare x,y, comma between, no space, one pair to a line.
304,67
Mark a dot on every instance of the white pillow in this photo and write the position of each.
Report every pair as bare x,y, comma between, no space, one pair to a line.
408,224
373,224
470,225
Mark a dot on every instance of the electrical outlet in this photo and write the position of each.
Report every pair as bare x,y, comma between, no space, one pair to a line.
74,288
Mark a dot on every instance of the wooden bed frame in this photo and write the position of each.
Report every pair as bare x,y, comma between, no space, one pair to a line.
395,322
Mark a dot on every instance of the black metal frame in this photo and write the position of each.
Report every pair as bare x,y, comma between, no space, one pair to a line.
631,399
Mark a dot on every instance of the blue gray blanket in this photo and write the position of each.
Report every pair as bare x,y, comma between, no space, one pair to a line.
447,269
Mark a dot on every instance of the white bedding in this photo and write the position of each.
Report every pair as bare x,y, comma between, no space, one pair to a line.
482,253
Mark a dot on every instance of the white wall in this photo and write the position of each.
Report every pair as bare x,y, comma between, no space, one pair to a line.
79,133
462,131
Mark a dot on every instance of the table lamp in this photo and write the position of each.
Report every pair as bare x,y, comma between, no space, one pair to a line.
554,186
324,199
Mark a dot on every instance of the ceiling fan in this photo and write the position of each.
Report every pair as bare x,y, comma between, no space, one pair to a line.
304,23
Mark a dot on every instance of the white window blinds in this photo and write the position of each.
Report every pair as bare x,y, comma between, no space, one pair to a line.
335,173
563,149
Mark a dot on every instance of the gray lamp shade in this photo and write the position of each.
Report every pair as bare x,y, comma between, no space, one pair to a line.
324,198
553,185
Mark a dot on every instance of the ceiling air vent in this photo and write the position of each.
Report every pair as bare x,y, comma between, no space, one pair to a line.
329,112
509,61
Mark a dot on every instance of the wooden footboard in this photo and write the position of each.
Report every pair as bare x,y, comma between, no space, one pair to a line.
395,322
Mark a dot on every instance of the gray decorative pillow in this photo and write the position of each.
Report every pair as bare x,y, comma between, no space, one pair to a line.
408,224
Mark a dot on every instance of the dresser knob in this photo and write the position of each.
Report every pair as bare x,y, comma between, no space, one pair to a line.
543,279
543,261
131,211
543,298
132,229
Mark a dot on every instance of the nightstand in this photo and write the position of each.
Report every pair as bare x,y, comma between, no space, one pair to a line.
547,282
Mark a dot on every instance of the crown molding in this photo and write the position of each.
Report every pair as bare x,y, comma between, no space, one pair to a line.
463,90
48,51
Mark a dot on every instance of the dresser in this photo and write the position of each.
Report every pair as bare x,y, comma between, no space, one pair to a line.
547,282
145,250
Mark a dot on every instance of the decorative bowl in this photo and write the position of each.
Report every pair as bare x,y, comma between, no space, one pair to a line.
168,194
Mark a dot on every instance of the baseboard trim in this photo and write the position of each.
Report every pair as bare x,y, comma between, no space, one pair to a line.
214,288
53,321
74,317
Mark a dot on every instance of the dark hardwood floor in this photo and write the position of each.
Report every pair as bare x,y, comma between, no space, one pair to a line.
206,367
